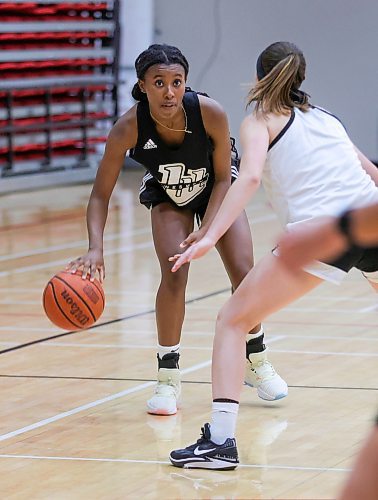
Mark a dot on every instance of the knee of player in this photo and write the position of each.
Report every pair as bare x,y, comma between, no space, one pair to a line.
229,322
239,272
174,281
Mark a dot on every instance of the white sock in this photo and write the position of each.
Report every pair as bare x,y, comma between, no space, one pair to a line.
163,349
251,336
223,421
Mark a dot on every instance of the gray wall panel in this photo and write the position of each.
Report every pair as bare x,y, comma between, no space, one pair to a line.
222,39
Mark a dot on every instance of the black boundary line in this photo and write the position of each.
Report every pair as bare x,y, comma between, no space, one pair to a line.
98,325
120,379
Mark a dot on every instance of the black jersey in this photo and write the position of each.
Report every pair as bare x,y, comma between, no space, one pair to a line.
184,172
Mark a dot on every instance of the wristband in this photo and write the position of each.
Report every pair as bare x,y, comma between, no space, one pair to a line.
344,226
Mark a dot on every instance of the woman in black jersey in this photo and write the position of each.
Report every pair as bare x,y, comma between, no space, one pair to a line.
182,139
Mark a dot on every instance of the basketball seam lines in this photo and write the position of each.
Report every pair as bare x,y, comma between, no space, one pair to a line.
61,310
75,292
100,292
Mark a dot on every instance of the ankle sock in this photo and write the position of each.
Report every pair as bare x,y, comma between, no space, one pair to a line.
166,349
168,356
223,420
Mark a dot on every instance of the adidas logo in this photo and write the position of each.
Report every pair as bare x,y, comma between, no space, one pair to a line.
149,144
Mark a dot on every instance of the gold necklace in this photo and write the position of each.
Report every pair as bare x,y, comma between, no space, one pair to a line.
174,129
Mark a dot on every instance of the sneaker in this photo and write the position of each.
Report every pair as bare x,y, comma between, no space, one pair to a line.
205,454
167,392
261,374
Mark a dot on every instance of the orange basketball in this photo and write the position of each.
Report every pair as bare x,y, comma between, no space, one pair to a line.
72,303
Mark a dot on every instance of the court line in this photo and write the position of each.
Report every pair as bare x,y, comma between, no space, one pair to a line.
97,325
162,462
83,243
195,382
317,323
93,404
135,346
11,302
74,244
45,265
347,310
327,353
194,348
152,293
327,337
114,208
372,308
188,333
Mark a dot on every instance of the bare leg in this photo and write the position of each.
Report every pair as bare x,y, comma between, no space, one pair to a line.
236,251
170,226
362,482
277,287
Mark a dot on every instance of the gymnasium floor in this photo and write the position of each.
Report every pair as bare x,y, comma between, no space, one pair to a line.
73,423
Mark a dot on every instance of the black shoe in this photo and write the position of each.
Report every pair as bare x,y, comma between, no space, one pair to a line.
205,454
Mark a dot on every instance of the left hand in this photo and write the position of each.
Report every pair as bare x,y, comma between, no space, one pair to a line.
193,237
195,251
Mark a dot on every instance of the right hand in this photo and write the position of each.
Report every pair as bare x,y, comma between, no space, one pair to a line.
195,251
89,263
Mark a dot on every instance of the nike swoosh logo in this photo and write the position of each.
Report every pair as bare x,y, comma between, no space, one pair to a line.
199,452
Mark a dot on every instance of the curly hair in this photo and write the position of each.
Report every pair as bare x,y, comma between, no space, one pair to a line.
156,54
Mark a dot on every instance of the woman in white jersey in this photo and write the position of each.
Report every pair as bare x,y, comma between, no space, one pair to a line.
310,169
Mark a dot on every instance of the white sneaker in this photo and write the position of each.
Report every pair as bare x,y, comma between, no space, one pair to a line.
261,374
167,392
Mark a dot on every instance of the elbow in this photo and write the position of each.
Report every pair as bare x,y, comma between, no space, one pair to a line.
251,181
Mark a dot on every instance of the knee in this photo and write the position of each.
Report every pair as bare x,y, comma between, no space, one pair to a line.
227,321
175,282
239,273
239,268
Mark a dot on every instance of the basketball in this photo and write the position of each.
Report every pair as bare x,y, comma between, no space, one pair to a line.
72,303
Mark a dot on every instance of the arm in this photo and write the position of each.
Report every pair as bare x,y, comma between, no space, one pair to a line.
121,138
216,125
326,240
368,166
255,142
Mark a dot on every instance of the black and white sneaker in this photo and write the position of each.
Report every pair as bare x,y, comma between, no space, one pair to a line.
205,454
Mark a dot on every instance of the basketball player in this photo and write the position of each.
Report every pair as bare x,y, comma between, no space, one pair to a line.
330,237
182,139
310,169
362,482
326,240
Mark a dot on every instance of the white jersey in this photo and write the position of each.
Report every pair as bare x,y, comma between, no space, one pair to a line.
312,169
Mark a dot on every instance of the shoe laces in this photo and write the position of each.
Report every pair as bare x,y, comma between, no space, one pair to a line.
263,369
205,437
166,388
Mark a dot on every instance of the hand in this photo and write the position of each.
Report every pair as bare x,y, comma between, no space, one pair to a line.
193,237
91,262
195,251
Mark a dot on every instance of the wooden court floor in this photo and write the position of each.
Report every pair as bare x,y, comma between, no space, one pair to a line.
73,423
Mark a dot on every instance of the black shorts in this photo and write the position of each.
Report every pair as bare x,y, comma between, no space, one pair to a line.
364,259
151,194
